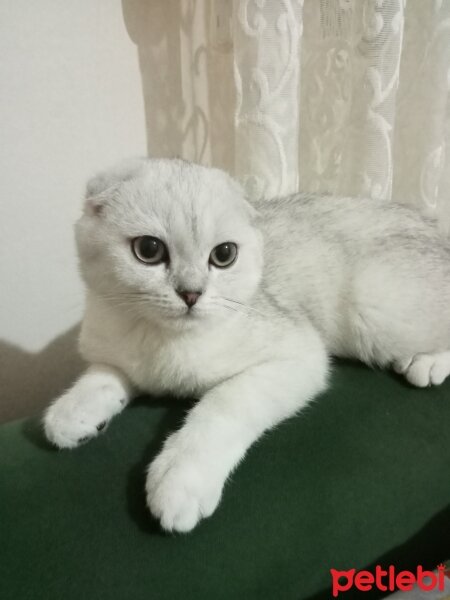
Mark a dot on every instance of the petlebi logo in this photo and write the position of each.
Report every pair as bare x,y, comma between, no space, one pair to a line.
389,580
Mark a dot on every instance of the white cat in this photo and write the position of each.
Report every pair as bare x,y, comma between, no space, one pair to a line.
194,292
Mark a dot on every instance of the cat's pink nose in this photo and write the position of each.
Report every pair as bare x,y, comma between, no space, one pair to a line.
190,298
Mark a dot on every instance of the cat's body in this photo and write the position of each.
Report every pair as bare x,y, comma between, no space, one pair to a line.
373,277
312,277
184,365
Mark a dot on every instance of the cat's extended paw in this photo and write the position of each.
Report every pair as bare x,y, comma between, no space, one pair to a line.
80,415
424,370
181,491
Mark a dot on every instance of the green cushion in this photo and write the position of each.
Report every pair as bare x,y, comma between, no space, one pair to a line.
361,476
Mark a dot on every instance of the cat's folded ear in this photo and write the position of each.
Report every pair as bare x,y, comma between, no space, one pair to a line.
98,186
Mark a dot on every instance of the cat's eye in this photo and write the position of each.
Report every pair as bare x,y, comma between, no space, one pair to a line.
149,250
223,255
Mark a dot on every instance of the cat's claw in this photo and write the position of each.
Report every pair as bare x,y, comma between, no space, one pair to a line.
180,493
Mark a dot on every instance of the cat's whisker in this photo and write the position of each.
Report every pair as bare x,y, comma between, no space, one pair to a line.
226,306
244,305
245,308
131,298
134,296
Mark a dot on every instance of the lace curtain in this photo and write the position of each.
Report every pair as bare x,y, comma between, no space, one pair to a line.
337,96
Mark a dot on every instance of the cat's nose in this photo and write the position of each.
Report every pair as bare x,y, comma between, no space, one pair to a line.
190,298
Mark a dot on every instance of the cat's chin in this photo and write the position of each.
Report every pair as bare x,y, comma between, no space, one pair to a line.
185,321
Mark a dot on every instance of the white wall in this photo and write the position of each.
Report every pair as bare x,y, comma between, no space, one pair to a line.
70,103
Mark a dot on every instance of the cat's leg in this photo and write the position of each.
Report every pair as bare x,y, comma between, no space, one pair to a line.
399,316
87,407
424,370
185,481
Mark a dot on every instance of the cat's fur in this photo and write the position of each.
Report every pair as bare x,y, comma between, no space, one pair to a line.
313,277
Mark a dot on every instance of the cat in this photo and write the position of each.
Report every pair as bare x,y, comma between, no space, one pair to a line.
195,292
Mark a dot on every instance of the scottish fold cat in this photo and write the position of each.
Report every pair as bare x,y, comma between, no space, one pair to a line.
194,292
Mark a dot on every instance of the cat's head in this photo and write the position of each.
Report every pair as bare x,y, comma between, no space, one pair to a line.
170,241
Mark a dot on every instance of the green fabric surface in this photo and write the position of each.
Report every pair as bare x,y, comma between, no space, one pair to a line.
362,475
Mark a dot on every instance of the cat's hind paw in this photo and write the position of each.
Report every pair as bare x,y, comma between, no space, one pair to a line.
424,370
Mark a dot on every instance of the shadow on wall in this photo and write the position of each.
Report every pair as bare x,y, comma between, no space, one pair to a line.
30,381
186,80
189,104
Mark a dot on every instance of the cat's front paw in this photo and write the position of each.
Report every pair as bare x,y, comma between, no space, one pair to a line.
181,491
80,414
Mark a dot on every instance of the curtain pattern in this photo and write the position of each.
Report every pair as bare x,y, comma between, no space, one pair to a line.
336,96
